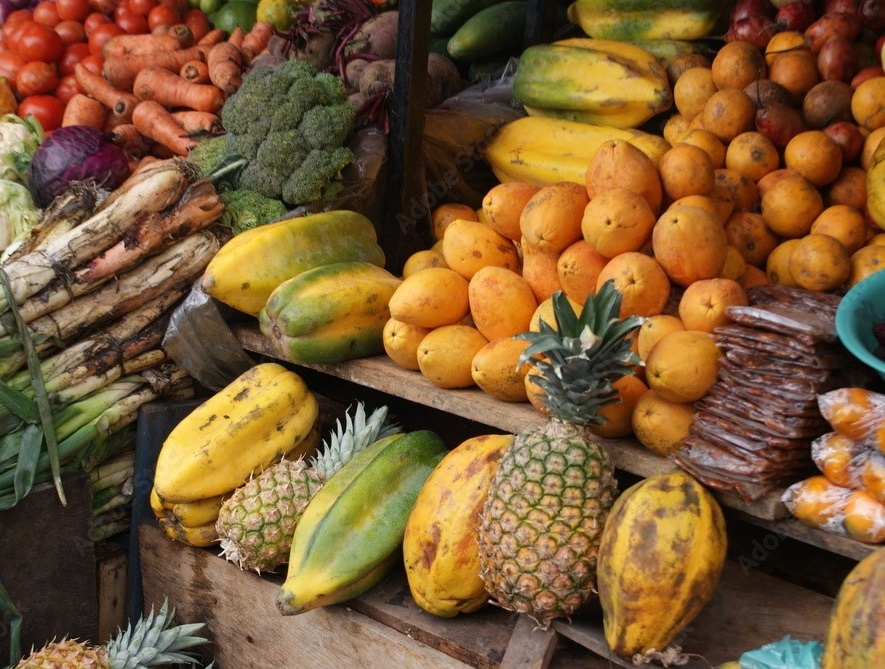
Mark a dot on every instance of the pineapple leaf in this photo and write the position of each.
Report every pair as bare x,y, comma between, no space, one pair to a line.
567,321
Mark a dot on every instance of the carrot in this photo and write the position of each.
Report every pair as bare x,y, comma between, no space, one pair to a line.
195,71
154,122
225,63
121,72
170,90
236,37
255,41
128,138
183,34
120,102
83,110
213,37
197,121
136,45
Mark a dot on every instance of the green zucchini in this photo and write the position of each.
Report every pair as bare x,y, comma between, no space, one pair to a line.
446,16
496,30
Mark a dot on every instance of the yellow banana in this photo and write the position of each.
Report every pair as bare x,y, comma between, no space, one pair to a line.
204,535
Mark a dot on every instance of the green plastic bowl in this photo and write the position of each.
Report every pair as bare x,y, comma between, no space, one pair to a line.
862,306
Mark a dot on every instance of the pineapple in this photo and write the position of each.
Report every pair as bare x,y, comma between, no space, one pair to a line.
154,641
547,504
256,523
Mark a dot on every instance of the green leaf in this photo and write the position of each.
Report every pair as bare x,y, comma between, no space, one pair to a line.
18,404
28,458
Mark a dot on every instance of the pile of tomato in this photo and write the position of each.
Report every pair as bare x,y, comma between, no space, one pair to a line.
40,46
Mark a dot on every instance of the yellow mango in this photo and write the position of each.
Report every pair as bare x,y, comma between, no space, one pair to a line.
468,246
501,302
431,298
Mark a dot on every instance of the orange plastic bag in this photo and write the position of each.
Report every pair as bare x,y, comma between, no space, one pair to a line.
818,503
857,413
841,459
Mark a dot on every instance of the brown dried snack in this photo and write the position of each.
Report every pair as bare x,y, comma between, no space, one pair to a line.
752,360
778,426
763,412
755,334
747,437
808,328
824,359
794,298
759,397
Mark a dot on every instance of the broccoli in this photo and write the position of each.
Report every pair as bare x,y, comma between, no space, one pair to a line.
210,154
318,178
290,124
245,209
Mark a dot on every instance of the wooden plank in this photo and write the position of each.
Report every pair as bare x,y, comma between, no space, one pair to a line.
530,647
247,631
796,529
111,572
47,564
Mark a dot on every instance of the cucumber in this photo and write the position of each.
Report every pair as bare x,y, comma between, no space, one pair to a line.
446,16
495,30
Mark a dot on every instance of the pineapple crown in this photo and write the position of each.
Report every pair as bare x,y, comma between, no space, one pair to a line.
155,641
578,360
355,435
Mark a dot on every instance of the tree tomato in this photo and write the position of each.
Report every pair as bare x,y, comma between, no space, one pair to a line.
36,77
47,109
39,42
71,32
142,7
132,23
72,54
67,88
93,62
93,21
163,16
10,65
46,13
101,35
73,10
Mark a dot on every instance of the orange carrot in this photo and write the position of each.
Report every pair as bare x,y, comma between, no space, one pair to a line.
255,41
156,123
121,71
183,34
128,138
136,45
170,90
197,121
195,71
236,37
213,37
120,102
83,110
225,63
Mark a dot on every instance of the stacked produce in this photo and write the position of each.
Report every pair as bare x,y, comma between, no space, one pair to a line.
848,497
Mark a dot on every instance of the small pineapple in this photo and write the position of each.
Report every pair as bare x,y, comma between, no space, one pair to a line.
154,641
256,523
555,484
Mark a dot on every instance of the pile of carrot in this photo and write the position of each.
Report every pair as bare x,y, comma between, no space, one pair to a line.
157,90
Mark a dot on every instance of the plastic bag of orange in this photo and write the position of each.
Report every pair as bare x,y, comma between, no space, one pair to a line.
841,459
857,413
849,512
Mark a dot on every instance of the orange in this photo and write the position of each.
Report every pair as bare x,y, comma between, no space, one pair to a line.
653,329
686,169
422,260
785,41
488,291
868,103
676,127
753,276
772,178
777,267
851,411
703,304
551,219
790,206
870,144
619,164
539,270
796,71
844,223
618,415
737,64
446,213
692,90
877,239
683,365
401,342
864,515
748,232
744,193
872,476
753,154
503,205
864,262
718,208
690,244
445,355
814,155
836,457
849,188
728,113
819,263
617,220
641,281
816,501
735,265
578,268
660,425
706,140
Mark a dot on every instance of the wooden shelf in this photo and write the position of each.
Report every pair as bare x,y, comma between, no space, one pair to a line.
380,374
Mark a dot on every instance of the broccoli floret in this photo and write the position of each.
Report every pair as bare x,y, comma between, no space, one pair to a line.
290,70
245,145
310,92
210,153
245,209
264,179
251,102
283,151
335,89
328,125
318,178
288,113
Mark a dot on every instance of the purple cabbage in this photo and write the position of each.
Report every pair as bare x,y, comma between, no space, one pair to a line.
75,153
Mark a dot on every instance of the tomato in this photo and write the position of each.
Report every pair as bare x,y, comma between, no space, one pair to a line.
46,13
93,62
198,22
142,7
93,21
162,16
67,88
47,109
10,65
11,32
36,77
39,42
72,55
73,10
133,24
71,32
101,35
178,6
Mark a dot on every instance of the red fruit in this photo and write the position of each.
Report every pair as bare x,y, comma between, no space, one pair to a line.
833,23
745,8
849,138
756,29
796,15
872,14
866,73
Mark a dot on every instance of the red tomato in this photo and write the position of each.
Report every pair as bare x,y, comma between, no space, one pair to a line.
72,55
178,6
10,65
93,21
47,109
46,13
162,16
36,77
11,31
71,32
122,7
67,88
133,24
93,63
198,22
73,10
39,42
142,7
101,35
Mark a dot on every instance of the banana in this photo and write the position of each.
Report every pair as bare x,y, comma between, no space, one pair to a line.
202,536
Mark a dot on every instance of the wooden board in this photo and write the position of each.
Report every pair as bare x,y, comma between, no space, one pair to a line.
111,572
47,564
